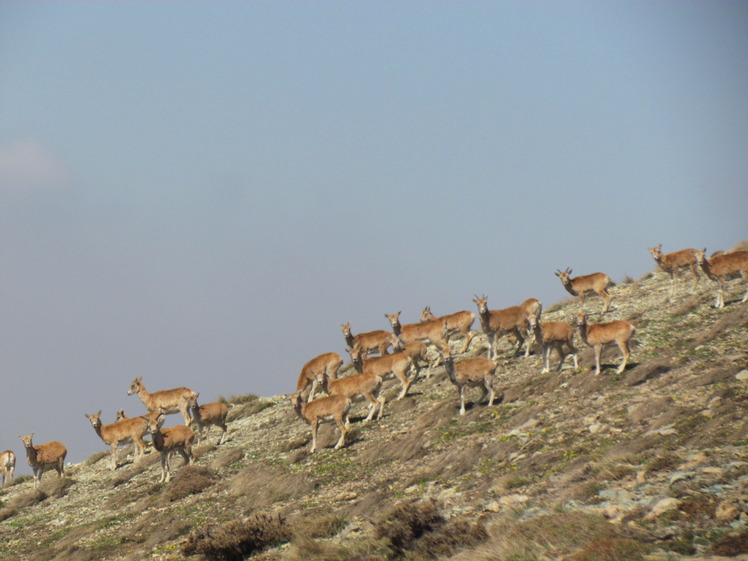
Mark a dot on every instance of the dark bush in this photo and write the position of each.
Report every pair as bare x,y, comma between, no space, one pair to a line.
419,527
235,540
408,522
730,544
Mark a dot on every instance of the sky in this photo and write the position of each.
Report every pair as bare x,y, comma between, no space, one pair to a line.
200,193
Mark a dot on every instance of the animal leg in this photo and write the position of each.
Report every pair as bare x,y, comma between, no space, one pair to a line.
625,351
343,431
598,352
315,426
491,391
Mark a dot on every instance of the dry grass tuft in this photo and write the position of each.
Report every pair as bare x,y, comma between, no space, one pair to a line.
740,246
54,487
402,449
7,512
547,536
262,485
244,406
688,305
189,480
615,549
307,549
319,524
125,475
227,457
96,457
236,540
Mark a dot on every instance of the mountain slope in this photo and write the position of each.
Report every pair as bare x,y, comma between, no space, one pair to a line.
651,463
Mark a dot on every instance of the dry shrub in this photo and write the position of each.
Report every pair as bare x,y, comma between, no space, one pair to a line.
454,535
615,549
562,533
94,458
453,462
236,540
189,480
294,443
407,522
402,449
419,527
319,524
262,485
8,512
666,461
227,457
246,406
439,415
688,305
57,486
731,544
298,456
307,549
740,246
53,488
699,506
126,475
616,471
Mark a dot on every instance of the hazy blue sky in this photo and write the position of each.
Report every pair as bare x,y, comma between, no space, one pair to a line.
200,193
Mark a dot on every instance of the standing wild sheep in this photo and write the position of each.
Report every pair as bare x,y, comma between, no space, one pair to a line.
44,457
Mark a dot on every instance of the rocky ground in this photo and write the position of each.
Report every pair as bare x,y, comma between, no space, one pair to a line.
651,464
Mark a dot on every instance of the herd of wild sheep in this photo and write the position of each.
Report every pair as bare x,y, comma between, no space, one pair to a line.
410,354
409,342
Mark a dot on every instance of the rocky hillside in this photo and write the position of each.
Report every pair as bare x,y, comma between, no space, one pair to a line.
651,464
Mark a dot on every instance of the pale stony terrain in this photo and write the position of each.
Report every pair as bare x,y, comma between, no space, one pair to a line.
653,462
